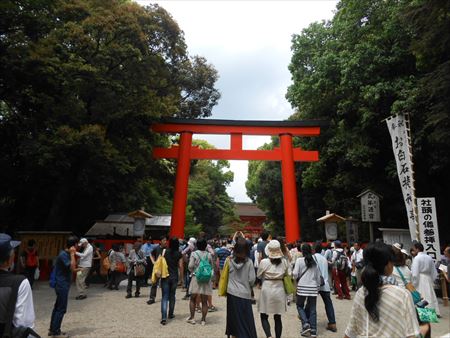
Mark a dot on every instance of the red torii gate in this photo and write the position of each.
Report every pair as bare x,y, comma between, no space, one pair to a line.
286,154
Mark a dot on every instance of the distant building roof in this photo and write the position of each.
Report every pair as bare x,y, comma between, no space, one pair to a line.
139,214
248,209
121,224
159,220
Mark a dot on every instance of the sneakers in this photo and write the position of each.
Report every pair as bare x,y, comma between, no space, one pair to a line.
212,309
190,320
171,316
203,323
305,330
128,295
136,295
58,335
313,335
150,301
163,322
80,297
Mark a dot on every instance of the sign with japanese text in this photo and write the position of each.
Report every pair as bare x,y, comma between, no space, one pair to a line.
403,158
370,207
429,234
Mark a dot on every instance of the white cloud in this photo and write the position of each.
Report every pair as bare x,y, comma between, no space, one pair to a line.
249,43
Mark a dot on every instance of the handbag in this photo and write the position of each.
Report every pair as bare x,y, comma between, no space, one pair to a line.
414,293
427,315
289,285
223,281
139,270
120,267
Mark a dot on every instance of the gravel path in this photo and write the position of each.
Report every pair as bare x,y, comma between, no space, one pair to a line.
107,313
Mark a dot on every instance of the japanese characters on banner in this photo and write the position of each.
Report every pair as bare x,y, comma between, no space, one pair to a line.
400,145
429,234
370,207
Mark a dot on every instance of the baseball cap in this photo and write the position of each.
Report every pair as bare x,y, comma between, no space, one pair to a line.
6,243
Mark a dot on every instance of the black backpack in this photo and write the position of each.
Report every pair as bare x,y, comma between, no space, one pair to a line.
9,289
342,262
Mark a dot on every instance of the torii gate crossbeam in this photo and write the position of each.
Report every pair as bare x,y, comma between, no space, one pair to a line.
285,130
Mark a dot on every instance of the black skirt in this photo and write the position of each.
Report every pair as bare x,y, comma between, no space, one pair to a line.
240,320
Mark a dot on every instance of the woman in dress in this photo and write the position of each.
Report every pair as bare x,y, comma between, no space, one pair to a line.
272,299
307,274
241,277
196,288
381,309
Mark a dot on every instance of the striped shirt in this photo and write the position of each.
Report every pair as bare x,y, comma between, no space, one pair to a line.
308,284
397,315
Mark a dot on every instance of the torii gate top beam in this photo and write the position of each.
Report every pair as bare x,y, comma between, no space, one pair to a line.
210,126
236,129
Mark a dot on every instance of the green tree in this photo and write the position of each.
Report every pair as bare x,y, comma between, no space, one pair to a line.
371,60
80,83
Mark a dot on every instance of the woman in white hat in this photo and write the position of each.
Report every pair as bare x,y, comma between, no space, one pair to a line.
272,299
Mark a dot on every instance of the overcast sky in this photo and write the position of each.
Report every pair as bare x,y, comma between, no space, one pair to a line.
248,42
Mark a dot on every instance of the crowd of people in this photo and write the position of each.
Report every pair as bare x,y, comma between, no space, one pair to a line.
383,305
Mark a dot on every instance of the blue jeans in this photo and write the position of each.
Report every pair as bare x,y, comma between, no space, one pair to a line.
60,308
307,313
169,288
329,309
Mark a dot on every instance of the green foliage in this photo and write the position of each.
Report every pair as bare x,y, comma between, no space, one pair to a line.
80,83
373,59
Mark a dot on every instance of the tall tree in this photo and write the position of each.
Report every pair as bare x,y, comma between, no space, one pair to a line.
80,83
364,65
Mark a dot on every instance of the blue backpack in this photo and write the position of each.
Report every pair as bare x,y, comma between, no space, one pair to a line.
204,271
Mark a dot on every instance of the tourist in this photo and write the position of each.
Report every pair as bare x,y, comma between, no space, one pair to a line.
324,290
307,274
136,269
186,252
117,265
84,265
96,264
199,288
22,314
147,249
423,276
261,245
169,285
29,261
240,320
65,265
153,257
222,253
401,272
381,309
357,261
272,299
340,269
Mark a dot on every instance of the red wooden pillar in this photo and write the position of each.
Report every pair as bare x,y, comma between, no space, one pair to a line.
291,214
181,185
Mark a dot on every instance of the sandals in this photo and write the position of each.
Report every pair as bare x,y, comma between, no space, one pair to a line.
190,320
212,309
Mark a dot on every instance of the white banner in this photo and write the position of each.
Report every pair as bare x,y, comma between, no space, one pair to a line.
403,158
429,233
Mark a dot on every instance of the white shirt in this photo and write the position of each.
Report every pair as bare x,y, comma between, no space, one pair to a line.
424,264
322,263
86,257
357,256
24,314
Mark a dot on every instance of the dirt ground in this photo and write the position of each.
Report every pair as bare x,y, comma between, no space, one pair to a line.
107,313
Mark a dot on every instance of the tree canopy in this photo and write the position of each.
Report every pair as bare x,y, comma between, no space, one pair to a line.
80,83
372,60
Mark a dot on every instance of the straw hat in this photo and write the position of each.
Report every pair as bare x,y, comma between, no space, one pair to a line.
273,249
397,246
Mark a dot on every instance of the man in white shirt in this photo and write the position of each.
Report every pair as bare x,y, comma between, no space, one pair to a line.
84,265
357,263
423,273
10,286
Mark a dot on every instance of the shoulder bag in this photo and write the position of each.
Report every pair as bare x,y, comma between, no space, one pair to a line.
414,293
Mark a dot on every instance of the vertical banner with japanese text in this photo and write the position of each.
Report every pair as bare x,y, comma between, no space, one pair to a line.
403,157
429,232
